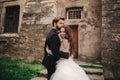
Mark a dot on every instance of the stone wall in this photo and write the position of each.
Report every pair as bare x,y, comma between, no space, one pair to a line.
111,37
28,43
0,17
90,30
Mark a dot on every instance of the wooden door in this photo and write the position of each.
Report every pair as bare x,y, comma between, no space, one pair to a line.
74,33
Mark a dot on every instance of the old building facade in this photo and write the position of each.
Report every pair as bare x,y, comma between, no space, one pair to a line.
94,24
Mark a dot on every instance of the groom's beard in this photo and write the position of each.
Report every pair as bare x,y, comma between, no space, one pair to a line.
58,28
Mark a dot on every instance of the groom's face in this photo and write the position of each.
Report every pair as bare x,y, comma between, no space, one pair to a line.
60,23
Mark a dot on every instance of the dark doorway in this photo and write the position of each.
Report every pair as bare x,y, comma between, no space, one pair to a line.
74,32
11,19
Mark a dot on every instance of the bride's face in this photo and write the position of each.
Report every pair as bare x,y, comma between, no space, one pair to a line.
62,32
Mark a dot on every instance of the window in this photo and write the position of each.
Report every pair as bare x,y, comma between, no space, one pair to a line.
11,22
74,13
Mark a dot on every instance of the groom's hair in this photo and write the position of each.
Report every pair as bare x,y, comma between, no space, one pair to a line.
55,20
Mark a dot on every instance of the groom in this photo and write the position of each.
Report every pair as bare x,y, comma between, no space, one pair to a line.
53,43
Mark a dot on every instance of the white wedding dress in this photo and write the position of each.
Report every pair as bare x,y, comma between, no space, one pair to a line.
67,69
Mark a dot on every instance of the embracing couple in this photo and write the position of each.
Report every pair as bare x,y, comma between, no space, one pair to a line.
59,52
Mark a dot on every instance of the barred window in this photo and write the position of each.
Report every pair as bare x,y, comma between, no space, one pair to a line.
74,13
11,19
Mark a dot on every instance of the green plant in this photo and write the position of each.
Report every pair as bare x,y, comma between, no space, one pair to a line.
18,70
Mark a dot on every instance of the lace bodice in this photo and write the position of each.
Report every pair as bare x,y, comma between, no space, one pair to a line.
65,46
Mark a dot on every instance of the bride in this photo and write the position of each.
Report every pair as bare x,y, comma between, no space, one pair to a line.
67,69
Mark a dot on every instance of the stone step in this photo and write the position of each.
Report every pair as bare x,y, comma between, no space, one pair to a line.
96,77
39,78
94,74
42,73
93,70
88,64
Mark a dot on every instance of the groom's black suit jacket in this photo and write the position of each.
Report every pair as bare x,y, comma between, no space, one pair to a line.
53,42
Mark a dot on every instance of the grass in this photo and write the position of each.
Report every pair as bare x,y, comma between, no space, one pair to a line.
92,66
18,70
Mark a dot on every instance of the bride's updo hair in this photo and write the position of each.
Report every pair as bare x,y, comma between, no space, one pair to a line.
69,37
